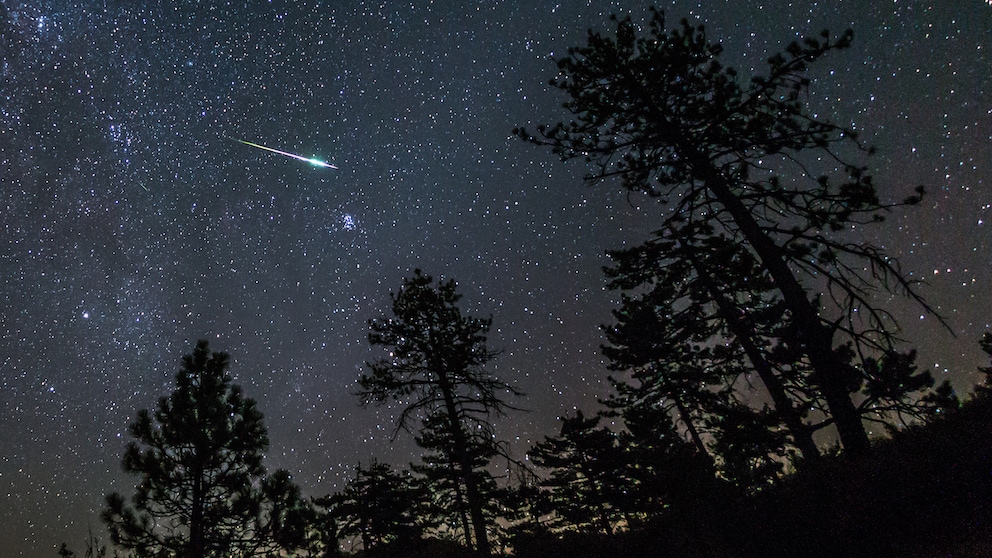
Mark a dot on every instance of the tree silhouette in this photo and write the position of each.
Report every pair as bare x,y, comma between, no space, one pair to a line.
665,473
889,378
523,506
986,345
203,490
435,364
746,161
667,365
587,479
378,506
666,334
93,547
439,470
751,448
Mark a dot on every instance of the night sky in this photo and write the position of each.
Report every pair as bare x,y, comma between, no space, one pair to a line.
132,226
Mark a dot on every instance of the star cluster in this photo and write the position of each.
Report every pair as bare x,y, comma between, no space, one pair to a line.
131,227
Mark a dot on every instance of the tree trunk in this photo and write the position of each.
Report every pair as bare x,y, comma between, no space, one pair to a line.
801,433
366,529
816,338
465,462
462,505
601,516
196,519
690,427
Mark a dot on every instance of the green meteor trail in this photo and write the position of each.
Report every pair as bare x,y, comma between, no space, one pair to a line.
314,162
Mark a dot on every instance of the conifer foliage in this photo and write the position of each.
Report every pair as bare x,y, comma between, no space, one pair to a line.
435,366
378,506
743,163
203,491
587,481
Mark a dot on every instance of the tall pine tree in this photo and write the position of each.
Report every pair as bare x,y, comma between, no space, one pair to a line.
662,113
203,491
435,365
439,469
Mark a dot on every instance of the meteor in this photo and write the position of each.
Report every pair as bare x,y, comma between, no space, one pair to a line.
314,162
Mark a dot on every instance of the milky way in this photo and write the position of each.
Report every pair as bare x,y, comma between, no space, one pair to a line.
131,227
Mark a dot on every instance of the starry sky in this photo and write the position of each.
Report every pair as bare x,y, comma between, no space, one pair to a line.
133,226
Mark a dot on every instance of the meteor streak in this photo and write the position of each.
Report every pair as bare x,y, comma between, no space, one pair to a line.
314,162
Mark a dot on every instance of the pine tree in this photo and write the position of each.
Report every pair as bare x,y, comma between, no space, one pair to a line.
662,344
524,506
662,113
203,491
439,470
435,365
666,473
888,380
586,480
378,505
709,308
752,449
691,343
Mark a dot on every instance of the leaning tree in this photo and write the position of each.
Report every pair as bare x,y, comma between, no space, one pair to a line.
435,365
664,336
743,160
